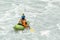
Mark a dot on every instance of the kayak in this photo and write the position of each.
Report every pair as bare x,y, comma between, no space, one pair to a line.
18,27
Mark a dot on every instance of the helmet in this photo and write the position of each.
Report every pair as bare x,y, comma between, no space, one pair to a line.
23,14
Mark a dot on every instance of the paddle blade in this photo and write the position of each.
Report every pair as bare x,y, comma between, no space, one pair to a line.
32,30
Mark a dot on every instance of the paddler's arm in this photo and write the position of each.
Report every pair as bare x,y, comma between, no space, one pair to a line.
19,21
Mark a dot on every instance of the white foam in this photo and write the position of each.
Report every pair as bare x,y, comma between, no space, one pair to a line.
58,25
45,32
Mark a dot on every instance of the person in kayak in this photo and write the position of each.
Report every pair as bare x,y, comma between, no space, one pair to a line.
22,18
23,21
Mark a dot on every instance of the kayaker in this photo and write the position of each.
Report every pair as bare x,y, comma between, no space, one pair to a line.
23,21
22,18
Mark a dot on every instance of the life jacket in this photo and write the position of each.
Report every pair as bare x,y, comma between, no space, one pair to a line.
24,23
